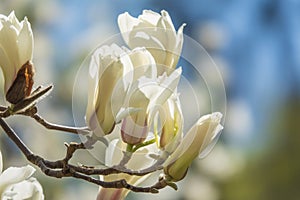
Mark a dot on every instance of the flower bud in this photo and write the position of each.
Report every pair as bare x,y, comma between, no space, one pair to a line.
16,48
198,138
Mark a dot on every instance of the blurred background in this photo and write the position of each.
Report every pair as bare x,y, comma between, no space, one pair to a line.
256,46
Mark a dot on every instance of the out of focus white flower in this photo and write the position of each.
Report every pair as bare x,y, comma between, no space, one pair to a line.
156,32
16,183
16,48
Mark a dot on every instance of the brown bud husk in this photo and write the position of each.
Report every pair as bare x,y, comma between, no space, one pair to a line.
22,85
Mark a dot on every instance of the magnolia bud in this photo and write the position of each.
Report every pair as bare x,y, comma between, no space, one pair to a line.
16,48
195,141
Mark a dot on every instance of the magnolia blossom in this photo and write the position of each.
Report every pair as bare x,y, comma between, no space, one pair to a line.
111,72
156,32
139,160
16,183
16,46
195,143
135,104
124,86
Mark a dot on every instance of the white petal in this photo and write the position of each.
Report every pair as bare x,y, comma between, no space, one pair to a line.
196,135
146,38
142,62
179,39
124,112
104,73
150,17
14,20
212,133
126,23
8,69
14,175
211,139
8,42
28,189
114,153
25,42
167,87
167,19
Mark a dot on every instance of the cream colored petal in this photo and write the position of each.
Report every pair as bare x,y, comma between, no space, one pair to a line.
174,48
126,23
153,44
172,124
25,43
106,86
105,72
8,52
14,175
124,112
179,38
27,189
114,153
210,142
198,138
167,20
3,17
14,20
167,87
143,63
8,41
150,17
9,72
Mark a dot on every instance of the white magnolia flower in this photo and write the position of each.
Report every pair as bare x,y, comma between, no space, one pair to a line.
124,85
196,142
156,32
16,184
139,160
112,70
129,87
16,46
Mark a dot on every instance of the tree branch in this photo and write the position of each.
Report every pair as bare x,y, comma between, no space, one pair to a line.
62,168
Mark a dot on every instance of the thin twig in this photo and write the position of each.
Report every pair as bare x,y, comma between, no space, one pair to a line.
52,126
